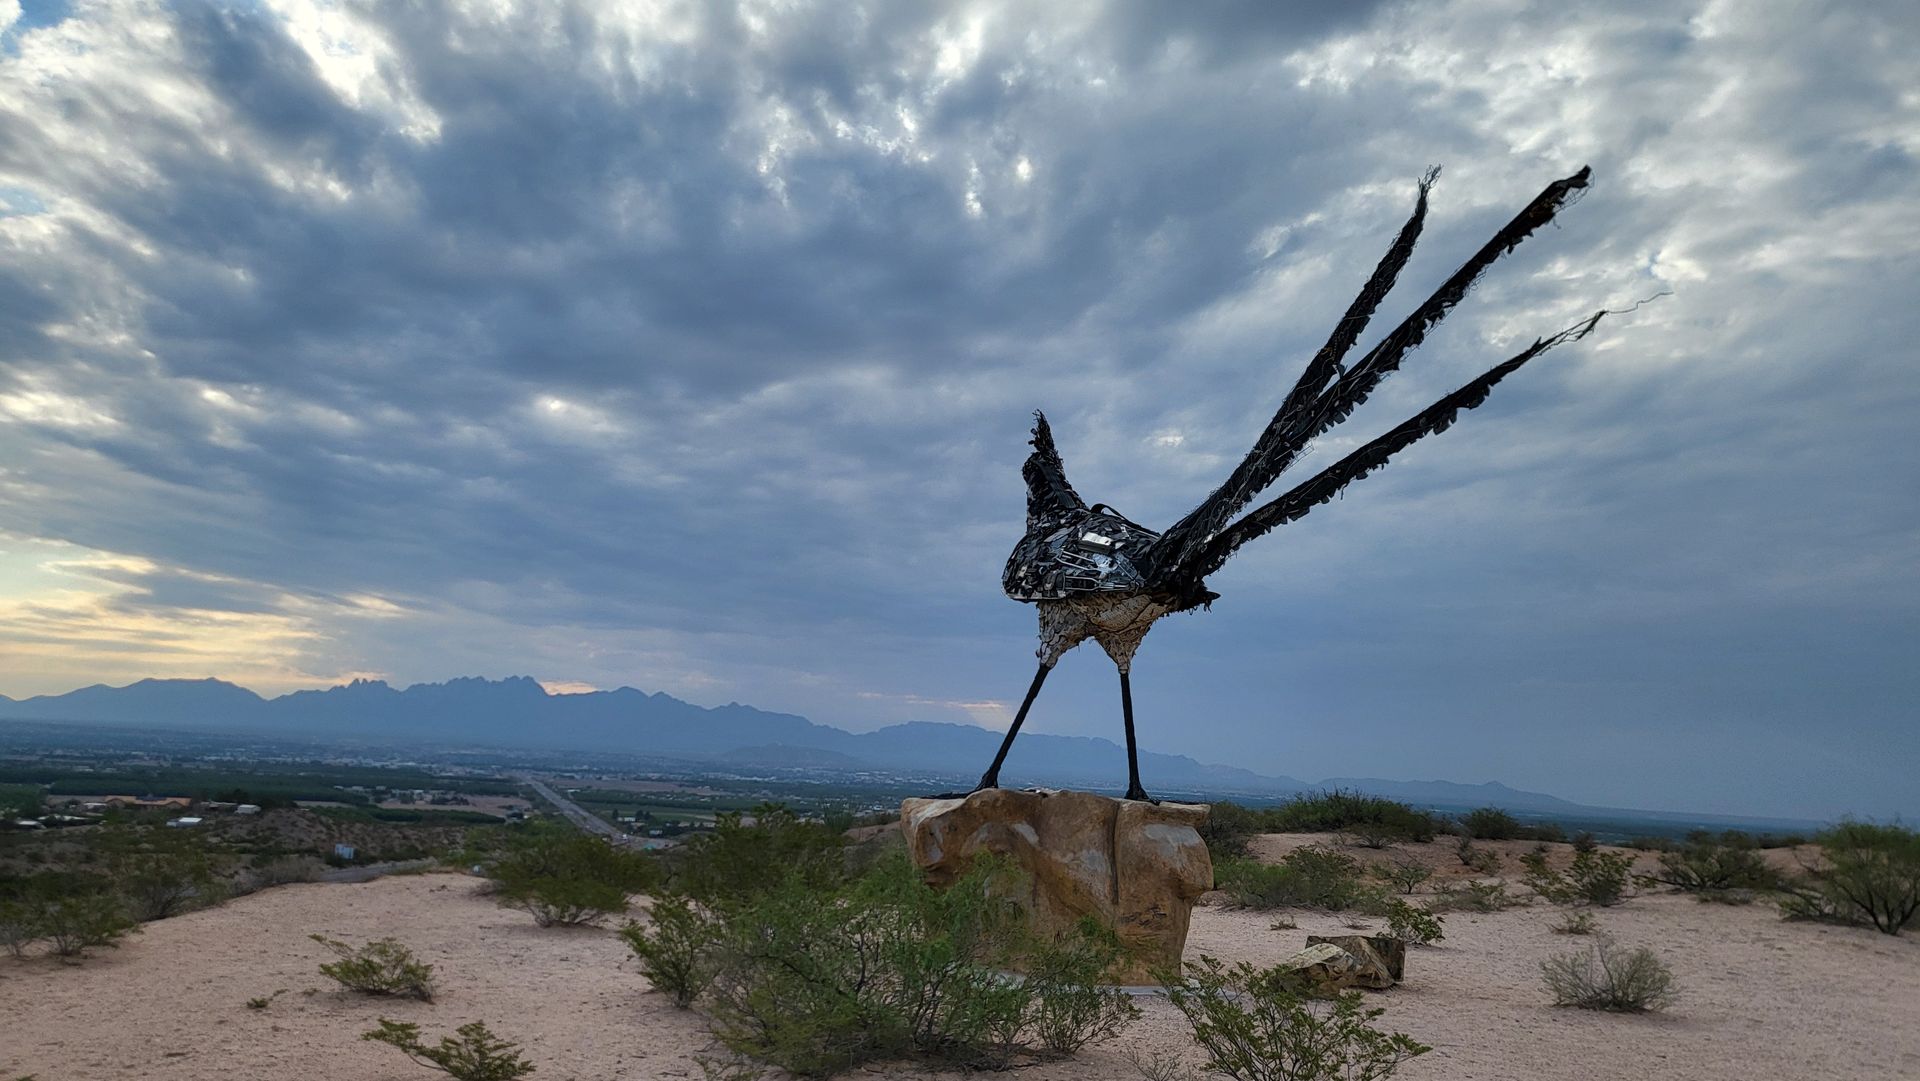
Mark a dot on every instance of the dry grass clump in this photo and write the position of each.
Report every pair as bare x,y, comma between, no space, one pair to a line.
1603,977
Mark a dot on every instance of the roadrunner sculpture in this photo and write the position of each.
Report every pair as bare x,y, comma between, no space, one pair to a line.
1092,573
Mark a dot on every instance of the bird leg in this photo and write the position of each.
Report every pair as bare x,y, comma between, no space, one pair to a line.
991,778
1134,791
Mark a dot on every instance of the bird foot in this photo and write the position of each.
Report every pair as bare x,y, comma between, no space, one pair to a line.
1140,794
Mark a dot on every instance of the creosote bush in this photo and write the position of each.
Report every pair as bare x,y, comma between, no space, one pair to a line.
1708,867
566,878
1492,824
676,948
1404,874
820,977
1476,897
473,1053
1603,977
1257,1025
381,967
1576,923
1870,874
1413,924
1311,877
1594,878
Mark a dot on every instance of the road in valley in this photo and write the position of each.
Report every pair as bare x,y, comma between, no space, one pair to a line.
575,813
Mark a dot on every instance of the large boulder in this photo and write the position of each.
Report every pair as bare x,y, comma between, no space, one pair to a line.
1136,867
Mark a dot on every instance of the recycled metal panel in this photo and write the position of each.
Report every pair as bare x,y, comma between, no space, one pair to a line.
1085,552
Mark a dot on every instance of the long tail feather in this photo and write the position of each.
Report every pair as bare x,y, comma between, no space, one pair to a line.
1353,387
1437,417
1273,450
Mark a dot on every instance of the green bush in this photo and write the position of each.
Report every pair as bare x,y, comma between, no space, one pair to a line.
1227,830
1404,875
1340,810
1492,824
381,967
1604,978
1413,924
566,878
1071,1008
816,979
1711,867
76,920
1255,1026
1576,923
1312,877
1595,878
472,1054
1870,875
738,862
676,950
161,872
1476,897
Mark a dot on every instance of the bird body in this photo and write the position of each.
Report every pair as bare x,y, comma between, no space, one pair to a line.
1093,573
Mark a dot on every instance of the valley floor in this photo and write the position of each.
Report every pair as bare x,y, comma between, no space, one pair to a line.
1759,998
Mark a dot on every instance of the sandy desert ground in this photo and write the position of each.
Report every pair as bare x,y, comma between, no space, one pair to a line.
1760,998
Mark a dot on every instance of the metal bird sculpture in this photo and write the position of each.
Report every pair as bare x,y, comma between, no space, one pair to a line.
1093,573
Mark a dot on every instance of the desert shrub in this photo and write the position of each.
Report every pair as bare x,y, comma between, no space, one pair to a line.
381,967
1603,977
161,872
280,871
1585,842
1070,1007
1476,897
1340,810
1491,824
19,927
1651,844
1375,835
566,878
473,1053
1255,1026
1594,878
1413,924
1871,875
1576,923
1712,867
739,860
818,978
1545,832
1484,861
1404,875
1226,830
71,923
1313,877
676,950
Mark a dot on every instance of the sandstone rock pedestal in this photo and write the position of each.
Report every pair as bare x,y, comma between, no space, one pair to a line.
1136,867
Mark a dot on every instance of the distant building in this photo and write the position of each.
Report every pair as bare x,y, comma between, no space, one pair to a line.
184,823
345,852
28,824
247,809
150,803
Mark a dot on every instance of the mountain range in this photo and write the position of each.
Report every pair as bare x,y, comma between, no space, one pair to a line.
519,713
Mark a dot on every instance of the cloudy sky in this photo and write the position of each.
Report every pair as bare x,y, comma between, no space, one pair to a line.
693,347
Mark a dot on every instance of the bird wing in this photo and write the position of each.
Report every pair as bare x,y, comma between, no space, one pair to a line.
1327,392
1437,417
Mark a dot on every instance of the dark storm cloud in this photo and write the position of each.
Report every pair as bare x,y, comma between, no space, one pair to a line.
694,348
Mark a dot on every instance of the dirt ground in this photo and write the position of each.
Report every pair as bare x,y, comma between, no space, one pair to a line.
1759,998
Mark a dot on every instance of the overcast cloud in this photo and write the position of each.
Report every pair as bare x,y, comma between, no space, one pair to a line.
693,347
